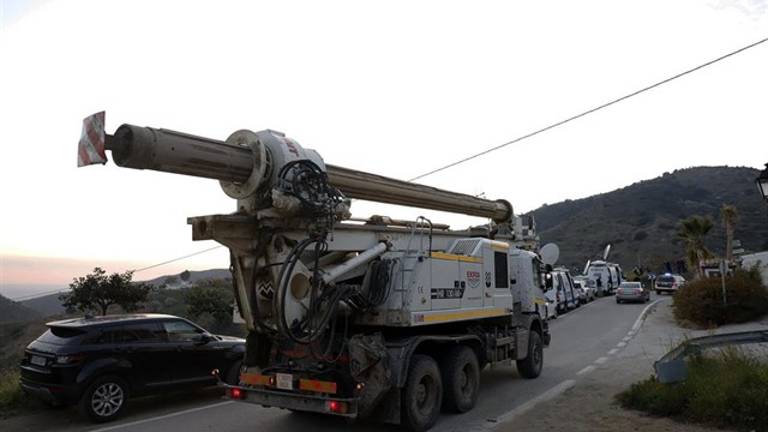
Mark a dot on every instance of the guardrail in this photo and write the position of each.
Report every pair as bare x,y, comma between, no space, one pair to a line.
672,367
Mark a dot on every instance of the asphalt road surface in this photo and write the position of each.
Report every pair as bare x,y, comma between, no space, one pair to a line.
580,339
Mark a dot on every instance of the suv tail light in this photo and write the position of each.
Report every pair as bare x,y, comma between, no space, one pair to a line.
70,359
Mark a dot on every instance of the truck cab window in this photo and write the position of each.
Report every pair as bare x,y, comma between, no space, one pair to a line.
501,270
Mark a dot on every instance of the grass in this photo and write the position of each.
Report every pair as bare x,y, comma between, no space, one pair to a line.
12,398
728,389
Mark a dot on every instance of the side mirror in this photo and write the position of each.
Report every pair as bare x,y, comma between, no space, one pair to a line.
203,339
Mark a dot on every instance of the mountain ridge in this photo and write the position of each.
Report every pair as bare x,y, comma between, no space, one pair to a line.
640,220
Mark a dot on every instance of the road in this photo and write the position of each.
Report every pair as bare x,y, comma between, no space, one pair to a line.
580,339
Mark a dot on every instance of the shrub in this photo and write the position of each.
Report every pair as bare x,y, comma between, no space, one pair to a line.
730,389
12,398
701,301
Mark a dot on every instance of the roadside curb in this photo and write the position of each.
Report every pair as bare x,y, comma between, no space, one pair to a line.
644,314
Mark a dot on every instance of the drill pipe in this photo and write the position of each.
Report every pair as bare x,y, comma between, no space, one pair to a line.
180,153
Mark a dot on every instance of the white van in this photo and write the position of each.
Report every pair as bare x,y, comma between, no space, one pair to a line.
599,274
563,284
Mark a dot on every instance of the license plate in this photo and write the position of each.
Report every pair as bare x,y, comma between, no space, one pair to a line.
284,381
37,360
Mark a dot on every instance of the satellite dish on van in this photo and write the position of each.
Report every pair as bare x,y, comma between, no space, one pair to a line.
550,253
606,252
586,267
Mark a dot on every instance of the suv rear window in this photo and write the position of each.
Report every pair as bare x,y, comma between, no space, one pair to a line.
666,279
60,335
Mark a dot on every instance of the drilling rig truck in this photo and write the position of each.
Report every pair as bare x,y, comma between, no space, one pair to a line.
361,318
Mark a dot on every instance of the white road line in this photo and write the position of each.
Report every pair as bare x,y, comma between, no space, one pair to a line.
601,360
162,417
639,320
586,370
547,395
621,344
613,351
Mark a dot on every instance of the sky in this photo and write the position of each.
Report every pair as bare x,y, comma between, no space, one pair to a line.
395,88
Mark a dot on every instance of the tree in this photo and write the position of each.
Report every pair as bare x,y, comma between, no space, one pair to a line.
185,275
97,291
692,231
730,215
214,298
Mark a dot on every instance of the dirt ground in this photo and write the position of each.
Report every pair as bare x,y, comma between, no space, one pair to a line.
590,404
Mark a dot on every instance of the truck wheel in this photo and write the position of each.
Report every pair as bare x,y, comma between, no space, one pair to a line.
530,367
461,379
423,394
104,399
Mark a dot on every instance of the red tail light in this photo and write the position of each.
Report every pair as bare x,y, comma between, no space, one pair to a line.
337,407
70,359
236,393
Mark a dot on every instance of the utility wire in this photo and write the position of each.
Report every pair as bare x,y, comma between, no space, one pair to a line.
590,111
177,259
31,296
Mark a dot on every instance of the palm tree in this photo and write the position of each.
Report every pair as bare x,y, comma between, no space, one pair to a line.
730,215
692,231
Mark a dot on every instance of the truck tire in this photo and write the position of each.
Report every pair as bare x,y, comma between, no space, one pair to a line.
104,399
461,379
530,367
423,394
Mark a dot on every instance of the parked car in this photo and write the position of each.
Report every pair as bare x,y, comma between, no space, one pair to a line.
632,291
587,292
669,283
98,363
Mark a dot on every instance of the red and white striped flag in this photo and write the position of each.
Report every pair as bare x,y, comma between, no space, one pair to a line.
90,149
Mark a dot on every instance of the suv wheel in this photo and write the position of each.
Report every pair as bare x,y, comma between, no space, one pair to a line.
104,399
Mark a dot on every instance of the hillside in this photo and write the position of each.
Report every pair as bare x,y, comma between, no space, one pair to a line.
46,305
50,305
11,311
640,220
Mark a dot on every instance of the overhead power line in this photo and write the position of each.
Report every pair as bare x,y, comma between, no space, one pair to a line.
590,111
177,259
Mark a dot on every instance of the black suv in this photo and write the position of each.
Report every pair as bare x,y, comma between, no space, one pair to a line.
99,362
